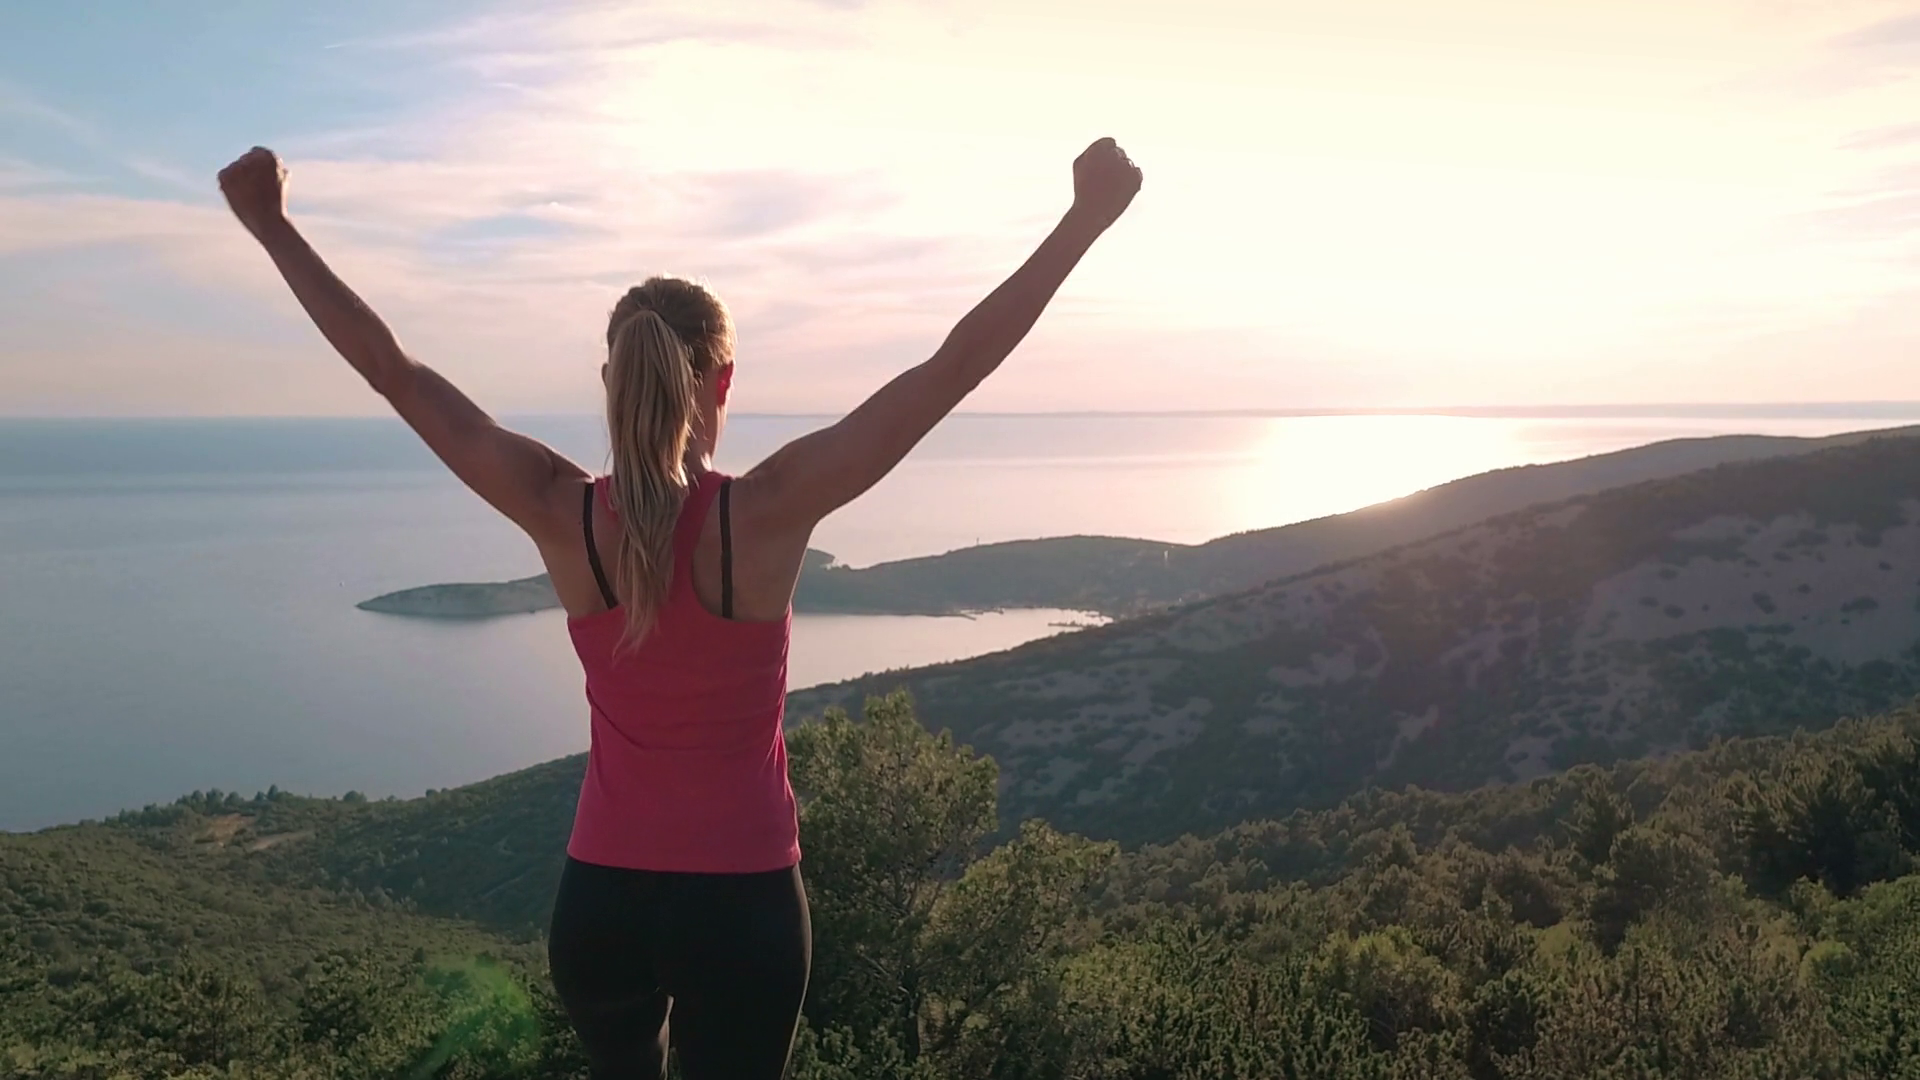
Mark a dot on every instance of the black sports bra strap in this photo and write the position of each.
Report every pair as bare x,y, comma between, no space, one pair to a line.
726,549
593,552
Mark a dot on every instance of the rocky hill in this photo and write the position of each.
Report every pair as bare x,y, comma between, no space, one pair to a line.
1119,576
1742,599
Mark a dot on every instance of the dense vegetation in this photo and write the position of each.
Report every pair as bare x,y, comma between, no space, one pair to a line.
1746,910
1748,599
153,947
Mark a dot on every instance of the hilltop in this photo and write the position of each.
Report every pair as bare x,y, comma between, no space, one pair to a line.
1118,576
1743,599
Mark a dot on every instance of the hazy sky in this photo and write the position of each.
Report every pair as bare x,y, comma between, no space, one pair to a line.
1370,202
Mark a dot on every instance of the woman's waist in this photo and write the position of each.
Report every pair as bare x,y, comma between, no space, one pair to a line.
748,732
704,787
653,743
668,695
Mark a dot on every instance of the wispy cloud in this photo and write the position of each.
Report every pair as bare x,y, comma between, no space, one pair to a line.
1828,50
531,42
1875,219
44,222
17,103
1893,136
17,175
1898,38
1870,54
1879,212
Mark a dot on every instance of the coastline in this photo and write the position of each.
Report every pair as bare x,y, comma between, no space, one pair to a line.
479,601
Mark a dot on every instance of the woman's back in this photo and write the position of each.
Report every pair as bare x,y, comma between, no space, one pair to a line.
687,769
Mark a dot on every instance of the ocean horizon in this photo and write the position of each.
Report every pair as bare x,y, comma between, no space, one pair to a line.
1891,409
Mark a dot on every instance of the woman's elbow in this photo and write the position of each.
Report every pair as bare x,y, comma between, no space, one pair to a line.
391,375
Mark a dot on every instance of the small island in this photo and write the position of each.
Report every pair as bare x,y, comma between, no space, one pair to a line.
462,600
492,599
1070,573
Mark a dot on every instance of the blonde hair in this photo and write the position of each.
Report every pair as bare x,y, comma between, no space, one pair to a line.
664,337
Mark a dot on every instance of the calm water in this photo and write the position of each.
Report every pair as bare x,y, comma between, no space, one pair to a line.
176,598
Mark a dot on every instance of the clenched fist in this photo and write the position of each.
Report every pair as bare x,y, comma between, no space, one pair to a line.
1105,180
256,188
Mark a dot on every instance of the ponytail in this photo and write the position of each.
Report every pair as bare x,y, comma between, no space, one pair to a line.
650,410
665,335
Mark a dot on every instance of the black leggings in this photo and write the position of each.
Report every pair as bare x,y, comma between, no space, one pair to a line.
726,954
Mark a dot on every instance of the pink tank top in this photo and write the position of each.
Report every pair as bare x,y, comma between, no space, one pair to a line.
688,766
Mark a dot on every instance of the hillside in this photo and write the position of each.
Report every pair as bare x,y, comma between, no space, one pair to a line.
489,852
1117,576
1744,599
158,945
1747,911
1129,577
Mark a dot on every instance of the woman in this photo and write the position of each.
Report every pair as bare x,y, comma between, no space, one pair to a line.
681,891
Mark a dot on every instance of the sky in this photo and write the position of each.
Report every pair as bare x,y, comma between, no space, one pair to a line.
1375,203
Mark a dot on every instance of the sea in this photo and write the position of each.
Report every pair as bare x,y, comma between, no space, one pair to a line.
177,597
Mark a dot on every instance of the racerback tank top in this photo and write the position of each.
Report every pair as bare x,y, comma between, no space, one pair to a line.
687,769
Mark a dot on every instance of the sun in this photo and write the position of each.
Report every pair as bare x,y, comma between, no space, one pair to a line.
1309,467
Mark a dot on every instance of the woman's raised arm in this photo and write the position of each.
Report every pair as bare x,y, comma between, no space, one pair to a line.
818,473
520,477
